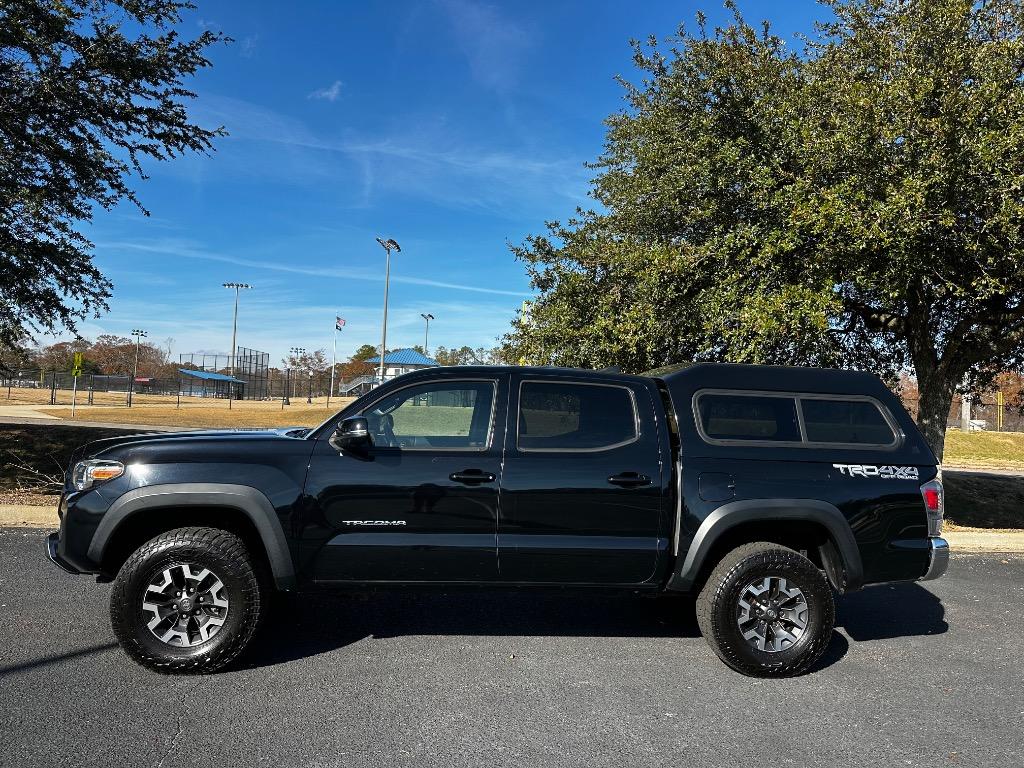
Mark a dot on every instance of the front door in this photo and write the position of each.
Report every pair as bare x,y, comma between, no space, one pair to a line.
581,491
421,504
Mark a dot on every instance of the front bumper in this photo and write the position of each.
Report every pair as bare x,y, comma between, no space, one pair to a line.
51,551
938,559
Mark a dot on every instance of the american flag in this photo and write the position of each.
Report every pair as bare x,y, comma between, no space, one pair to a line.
339,323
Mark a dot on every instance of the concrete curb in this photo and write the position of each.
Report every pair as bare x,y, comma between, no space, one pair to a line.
26,516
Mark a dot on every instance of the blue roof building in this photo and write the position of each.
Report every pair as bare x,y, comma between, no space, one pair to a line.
400,361
210,384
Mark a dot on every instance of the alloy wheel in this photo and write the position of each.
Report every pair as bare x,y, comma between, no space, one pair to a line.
772,614
187,604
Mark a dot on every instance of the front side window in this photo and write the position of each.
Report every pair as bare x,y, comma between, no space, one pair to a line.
855,422
748,417
453,415
555,416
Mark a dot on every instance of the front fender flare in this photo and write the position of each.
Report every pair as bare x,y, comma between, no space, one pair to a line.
250,501
736,513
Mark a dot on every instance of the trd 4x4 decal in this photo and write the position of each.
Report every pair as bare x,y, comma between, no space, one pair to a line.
885,472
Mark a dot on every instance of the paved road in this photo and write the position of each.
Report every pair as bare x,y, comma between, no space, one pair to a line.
915,676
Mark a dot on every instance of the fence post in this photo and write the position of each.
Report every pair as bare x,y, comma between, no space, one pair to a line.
53,388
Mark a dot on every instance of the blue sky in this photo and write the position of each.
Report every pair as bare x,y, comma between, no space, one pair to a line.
454,127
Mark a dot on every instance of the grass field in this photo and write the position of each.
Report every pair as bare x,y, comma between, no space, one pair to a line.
1003,450
241,414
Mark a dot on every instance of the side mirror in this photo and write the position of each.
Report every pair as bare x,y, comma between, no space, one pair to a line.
353,434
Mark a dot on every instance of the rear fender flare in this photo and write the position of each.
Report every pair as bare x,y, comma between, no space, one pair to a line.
250,501
727,516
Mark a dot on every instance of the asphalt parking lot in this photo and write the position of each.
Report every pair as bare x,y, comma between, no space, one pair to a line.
916,675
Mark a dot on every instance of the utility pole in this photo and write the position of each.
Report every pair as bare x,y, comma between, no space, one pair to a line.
234,339
135,370
426,334
387,245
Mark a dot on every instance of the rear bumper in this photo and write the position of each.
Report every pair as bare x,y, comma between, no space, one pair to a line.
938,559
51,551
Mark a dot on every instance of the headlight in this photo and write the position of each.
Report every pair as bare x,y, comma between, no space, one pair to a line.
88,473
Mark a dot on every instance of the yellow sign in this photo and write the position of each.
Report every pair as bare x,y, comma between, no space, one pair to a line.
76,369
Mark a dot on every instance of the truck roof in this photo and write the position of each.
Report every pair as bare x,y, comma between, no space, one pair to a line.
776,378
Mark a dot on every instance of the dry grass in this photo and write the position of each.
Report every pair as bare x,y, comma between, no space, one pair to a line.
41,396
1001,450
211,414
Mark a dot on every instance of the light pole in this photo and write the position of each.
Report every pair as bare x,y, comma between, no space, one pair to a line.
426,334
387,245
135,370
296,352
339,323
234,337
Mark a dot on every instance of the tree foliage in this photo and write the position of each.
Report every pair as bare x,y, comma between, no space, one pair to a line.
858,204
89,89
308,362
108,354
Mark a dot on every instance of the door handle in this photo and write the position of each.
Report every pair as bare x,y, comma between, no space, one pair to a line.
472,477
629,479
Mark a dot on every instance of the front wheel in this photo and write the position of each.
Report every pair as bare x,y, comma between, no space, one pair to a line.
767,611
187,601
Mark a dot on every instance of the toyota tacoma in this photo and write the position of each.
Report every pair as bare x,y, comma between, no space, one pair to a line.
760,490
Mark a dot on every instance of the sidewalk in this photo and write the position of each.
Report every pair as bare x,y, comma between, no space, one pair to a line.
24,516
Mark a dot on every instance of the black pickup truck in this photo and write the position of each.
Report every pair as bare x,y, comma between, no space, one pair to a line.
758,489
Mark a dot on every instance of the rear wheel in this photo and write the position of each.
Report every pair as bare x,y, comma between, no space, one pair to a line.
187,601
766,610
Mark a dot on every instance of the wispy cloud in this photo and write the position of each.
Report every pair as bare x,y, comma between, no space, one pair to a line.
274,317
192,251
248,46
427,161
494,45
330,93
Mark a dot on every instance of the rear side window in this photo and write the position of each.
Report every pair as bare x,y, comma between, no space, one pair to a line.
556,416
857,422
748,417
800,419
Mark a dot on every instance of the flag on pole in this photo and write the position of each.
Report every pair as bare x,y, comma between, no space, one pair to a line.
339,323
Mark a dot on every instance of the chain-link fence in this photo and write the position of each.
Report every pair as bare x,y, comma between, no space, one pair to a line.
40,387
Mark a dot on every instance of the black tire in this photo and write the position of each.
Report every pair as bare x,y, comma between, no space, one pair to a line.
226,556
718,610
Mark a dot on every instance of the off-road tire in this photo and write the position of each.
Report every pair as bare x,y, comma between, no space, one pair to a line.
718,601
222,552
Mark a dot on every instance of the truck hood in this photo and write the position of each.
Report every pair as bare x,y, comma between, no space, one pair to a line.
98,447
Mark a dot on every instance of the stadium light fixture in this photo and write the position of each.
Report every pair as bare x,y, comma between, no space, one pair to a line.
294,352
388,245
138,334
234,324
426,333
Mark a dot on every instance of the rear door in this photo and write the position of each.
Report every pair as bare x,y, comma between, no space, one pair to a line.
581,485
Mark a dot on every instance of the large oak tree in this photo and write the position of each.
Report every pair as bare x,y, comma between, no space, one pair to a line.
89,89
858,203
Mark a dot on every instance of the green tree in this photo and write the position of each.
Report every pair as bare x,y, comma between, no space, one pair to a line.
90,89
855,205
356,364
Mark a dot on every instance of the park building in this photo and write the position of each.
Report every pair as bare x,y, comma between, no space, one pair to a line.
401,361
